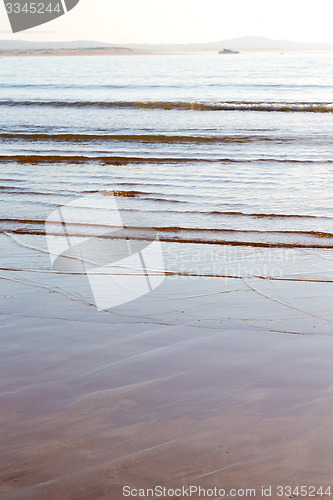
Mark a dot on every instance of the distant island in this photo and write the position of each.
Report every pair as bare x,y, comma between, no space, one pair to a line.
85,47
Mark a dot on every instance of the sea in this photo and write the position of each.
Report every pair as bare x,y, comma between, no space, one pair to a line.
224,150
203,355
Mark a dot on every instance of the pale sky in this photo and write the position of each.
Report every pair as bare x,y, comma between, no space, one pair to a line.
184,21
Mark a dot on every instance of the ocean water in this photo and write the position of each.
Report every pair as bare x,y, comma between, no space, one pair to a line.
212,149
218,377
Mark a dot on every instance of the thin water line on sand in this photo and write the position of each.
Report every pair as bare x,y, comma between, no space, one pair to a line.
281,302
155,272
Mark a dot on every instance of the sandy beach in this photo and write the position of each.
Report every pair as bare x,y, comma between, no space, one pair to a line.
102,51
226,383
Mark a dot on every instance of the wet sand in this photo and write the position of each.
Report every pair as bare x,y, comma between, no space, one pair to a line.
208,381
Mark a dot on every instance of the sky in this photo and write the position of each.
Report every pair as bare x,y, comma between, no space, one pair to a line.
184,21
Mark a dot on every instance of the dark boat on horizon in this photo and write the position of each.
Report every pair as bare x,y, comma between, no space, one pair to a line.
228,51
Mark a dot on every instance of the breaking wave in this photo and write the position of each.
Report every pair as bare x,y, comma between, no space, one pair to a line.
305,107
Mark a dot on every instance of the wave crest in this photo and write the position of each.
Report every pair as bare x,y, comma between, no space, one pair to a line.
305,107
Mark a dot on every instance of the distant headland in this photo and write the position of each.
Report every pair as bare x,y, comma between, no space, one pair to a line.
84,47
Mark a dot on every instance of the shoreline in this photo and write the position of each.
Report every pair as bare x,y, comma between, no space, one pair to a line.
69,52
219,373
121,51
